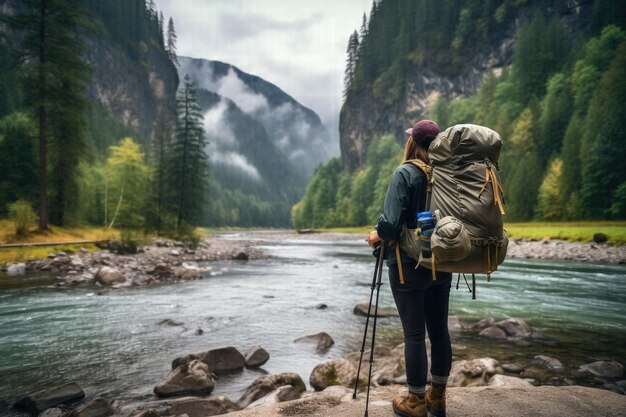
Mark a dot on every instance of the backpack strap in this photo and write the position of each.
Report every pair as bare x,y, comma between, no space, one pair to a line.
427,171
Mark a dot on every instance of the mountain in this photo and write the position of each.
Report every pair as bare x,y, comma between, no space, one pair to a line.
545,74
449,52
263,144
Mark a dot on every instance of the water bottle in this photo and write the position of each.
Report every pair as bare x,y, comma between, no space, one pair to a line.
427,222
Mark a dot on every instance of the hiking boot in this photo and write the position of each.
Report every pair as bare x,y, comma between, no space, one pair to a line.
410,405
435,399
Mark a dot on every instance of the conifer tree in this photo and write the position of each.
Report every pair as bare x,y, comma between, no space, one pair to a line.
352,51
162,28
54,78
171,42
188,165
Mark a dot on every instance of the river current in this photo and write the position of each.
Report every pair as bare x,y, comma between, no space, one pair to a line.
113,344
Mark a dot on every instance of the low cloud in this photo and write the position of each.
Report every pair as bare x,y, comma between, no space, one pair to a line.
238,161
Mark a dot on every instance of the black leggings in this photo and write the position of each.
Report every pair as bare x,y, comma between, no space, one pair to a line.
423,304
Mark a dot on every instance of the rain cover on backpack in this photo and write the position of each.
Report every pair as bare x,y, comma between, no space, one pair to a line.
468,199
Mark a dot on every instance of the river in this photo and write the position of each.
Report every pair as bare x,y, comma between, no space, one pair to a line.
113,344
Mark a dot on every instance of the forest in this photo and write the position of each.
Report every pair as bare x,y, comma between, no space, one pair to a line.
559,108
67,160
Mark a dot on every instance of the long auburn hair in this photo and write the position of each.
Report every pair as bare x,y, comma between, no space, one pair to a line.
416,148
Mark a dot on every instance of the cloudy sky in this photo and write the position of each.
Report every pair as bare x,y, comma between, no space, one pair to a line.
298,45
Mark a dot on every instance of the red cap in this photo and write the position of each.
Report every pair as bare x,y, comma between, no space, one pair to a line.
422,129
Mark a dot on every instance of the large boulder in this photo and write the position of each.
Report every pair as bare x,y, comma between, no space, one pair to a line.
333,372
493,332
362,307
193,378
322,340
515,327
604,369
266,384
222,360
256,356
98,407
39,401
484,323
284,393
109,276
201,407
472,373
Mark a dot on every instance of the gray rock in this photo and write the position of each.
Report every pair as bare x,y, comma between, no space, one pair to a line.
508,381
170,322
284,393
52,412
361,310
322,340
548,363
108,276
256,356
494,332
484,323
97,407
16,269
515,327
513,368
39,401
333,372
266,384
201,407
223,360
321,306
148,413
187,274
193,378
604,369
476,372
241,256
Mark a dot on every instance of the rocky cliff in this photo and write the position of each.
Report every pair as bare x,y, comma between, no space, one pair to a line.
363,116
134,91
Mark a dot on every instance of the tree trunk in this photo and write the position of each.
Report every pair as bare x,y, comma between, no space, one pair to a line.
43,143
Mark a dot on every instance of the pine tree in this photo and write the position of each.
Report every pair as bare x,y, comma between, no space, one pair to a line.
171,42
352,51
188,165
162,28
54,78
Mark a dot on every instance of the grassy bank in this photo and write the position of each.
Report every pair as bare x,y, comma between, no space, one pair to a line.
572,231
53,235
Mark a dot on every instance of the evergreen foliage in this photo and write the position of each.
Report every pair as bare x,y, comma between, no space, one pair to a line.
560,109
335,197
188,161
54,76
171,42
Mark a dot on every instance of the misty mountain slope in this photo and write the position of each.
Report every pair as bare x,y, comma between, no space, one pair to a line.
296,130
242,156
263,145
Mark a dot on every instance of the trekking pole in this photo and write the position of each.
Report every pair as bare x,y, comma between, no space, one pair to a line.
378,284
378,253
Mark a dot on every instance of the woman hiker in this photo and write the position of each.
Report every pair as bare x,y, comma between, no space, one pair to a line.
421,301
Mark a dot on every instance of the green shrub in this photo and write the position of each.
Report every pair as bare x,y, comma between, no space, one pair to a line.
23,216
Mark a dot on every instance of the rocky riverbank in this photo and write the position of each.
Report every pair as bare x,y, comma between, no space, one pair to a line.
162,261
477,387
549,249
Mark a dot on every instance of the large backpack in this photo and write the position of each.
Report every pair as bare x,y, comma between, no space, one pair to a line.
464,192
